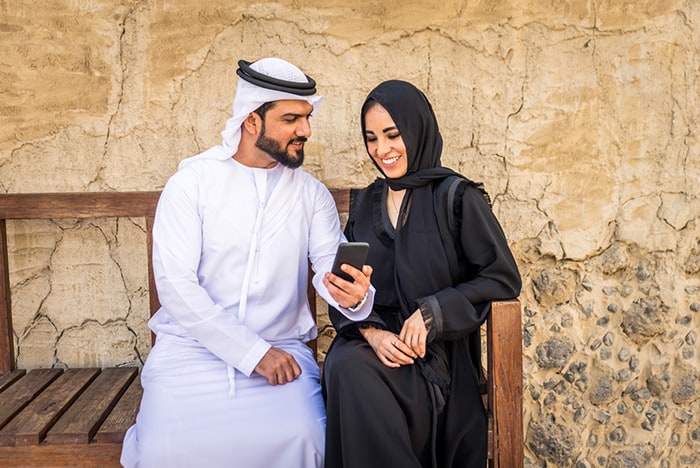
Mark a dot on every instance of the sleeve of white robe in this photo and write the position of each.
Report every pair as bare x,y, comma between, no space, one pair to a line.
324,237
177,247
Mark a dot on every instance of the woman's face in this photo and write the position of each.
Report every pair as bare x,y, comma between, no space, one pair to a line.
384,142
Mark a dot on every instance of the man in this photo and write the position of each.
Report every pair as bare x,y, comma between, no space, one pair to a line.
230,381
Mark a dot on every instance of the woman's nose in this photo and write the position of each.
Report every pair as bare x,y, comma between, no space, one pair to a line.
383,147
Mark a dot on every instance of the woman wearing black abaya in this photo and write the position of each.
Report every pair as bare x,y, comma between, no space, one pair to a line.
402,386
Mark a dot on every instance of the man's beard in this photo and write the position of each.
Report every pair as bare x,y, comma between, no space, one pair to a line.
279,154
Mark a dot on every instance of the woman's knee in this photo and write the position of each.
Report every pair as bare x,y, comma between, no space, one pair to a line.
349,363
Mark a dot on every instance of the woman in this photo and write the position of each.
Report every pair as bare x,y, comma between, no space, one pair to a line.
402,387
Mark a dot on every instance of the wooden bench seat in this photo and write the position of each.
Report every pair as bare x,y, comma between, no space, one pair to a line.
78,417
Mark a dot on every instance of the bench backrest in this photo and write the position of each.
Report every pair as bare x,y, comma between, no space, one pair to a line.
86,205
504,332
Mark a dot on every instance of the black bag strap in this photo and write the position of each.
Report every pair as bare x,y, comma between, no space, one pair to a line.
451,215
449,189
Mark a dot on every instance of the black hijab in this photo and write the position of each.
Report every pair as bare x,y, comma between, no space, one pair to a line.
415,119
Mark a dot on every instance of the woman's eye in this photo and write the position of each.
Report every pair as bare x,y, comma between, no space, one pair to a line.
394,136
370,139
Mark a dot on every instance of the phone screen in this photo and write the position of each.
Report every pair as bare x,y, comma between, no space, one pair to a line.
352,253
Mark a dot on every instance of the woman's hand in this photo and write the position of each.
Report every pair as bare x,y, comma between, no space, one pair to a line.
414,334
391,351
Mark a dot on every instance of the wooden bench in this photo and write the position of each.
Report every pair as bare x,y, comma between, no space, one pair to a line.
78,417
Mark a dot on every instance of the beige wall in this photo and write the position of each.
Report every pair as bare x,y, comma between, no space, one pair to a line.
581,117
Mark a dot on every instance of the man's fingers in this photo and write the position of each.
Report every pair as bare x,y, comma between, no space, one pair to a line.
289,371
278,367
346,293
295,371
360,279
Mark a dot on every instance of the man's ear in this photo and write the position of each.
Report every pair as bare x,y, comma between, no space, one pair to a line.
252,123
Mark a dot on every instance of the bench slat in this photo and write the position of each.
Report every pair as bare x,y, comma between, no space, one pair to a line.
342,199
122,416
81,420
54,456
30,426
27,388
78,205
7,349
6,380
504,336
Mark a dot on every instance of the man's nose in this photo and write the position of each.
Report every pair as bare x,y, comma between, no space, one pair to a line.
304,128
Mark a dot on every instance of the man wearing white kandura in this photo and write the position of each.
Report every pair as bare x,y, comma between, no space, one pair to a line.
230,380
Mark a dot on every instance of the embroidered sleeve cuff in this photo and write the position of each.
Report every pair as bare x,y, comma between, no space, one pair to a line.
432,316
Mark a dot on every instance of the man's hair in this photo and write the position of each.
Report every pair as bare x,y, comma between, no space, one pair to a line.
262,110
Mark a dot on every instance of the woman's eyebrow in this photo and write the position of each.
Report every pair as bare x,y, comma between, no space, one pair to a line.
385,130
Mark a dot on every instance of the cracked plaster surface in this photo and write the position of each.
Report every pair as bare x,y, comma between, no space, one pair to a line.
80,296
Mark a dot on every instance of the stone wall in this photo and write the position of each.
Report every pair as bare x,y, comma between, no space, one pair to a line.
581,118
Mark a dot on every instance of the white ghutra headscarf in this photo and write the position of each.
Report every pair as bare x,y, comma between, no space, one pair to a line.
253,91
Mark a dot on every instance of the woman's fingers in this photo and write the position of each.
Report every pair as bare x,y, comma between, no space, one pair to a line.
415,334
405,349
399,352
391,351
417,342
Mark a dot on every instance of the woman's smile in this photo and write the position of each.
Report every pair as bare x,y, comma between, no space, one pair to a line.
388,162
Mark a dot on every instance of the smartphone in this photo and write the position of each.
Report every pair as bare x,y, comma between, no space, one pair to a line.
352,253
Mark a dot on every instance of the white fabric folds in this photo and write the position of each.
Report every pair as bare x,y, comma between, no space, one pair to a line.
198,425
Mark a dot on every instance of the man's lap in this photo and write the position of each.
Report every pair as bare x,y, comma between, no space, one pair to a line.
191,404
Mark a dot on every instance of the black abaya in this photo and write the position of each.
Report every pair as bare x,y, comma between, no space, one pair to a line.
383,417
430,413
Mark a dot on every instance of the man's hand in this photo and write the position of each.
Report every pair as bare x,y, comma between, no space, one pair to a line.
414,333
391,351
347,293
278,367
